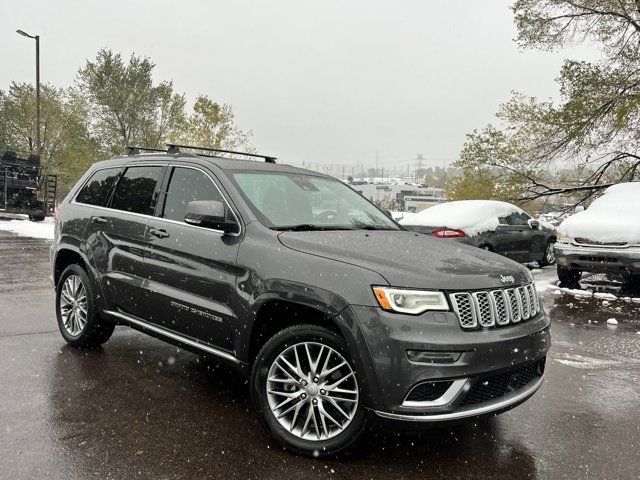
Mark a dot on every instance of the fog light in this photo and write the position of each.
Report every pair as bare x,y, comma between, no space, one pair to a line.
425,356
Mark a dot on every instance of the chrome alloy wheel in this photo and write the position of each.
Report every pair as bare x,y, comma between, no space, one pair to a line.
312,391
549,254
73,305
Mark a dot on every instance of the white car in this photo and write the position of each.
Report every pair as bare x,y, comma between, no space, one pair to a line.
605,238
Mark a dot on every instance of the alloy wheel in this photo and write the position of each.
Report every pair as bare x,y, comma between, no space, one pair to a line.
73,305
549,254
312,391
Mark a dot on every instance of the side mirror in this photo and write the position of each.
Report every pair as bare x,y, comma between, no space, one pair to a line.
209,214
388,214
534,224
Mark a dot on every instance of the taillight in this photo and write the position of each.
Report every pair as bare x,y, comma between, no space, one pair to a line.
56,212
445,232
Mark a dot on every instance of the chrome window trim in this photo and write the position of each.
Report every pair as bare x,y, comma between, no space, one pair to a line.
447,397
143,215
170,334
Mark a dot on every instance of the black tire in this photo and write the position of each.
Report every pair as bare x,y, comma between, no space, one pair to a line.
275,346
548,255
95,331
568,277
36,218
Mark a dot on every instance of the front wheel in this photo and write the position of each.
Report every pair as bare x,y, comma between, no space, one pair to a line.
306,392
568,277
78,319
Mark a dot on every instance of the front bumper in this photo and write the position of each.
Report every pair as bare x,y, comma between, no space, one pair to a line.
598,259
478,356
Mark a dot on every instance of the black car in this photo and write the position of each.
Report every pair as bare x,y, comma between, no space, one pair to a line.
337,314
492,225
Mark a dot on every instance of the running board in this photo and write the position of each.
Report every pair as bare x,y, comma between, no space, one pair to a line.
174,336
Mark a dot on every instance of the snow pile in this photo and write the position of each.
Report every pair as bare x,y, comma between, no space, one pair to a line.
471,216
27,228
613,217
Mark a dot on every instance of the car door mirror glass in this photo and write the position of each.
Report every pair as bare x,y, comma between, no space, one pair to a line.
209,214
534,224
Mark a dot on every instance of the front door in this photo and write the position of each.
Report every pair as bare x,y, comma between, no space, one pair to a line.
191,270
116,238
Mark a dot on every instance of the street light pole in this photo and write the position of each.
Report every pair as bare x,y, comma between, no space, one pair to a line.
37,39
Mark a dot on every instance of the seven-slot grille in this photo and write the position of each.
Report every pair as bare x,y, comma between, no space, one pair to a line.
495,307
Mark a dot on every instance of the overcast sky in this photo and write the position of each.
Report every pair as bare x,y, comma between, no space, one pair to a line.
327,82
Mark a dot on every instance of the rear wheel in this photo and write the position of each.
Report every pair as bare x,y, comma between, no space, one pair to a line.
549,256
36,218
568,277
78,320
306,391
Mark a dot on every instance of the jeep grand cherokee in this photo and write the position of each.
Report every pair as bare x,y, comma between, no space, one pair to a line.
337,314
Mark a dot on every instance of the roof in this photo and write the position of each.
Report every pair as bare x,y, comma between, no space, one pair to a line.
224,163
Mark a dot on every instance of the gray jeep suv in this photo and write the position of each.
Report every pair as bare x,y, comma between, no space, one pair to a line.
337,314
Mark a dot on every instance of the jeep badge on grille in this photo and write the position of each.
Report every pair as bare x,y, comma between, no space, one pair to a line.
507,279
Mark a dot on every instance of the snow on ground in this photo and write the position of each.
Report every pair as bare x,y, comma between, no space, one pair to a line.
611,218
471,216
26,228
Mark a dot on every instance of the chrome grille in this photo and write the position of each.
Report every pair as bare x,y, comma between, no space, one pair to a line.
495,307
465,309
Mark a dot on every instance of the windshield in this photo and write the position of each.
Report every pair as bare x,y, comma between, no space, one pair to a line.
291,201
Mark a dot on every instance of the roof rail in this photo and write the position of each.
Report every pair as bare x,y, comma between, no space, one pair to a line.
136,150
175,148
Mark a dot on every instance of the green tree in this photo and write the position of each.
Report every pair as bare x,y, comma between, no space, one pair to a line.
213,125
125,106
595,127
67,148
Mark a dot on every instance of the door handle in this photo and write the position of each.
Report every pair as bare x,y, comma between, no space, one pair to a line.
159,233
99,220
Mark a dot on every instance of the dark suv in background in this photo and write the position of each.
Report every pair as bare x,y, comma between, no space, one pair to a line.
337,313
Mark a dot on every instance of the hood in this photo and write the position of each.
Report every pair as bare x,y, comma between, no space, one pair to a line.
601,226
408,259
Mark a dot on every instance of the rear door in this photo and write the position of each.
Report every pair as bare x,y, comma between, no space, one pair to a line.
116,237
191,269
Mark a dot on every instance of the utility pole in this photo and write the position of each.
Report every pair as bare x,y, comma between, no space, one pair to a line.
419,161
37,39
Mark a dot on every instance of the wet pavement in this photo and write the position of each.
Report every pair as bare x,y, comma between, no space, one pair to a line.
140,408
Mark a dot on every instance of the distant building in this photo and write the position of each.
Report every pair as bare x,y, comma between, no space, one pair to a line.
407,197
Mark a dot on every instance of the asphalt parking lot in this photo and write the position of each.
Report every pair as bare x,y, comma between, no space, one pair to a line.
140,408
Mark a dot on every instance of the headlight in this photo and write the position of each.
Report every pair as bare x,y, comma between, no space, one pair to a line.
410,301
562,237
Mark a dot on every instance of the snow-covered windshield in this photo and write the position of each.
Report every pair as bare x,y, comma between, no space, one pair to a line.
291,201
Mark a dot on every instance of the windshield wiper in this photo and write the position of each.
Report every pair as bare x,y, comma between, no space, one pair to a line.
308,227
372,227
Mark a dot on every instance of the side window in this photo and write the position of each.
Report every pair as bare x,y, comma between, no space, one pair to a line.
134,192
516,218
96,191
187,185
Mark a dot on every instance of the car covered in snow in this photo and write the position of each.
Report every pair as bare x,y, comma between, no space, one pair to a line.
604,238
496,226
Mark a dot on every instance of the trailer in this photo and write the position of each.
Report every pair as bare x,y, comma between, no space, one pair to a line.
24,188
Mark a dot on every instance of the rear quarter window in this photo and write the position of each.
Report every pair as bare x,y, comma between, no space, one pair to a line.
96,191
